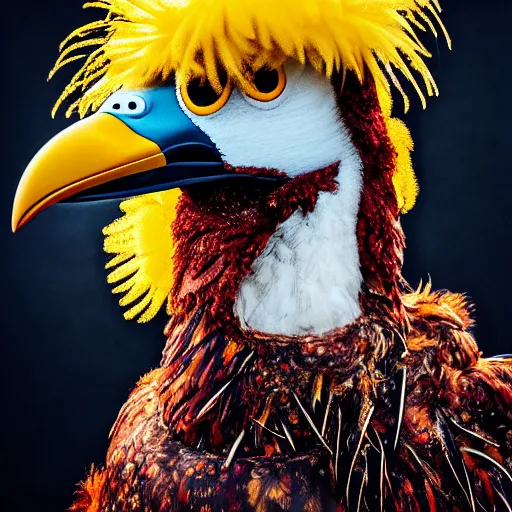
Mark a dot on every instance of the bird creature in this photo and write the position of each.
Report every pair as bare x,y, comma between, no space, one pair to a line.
265,177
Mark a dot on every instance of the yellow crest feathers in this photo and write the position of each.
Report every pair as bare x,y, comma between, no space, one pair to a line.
404,179
143,246
143,41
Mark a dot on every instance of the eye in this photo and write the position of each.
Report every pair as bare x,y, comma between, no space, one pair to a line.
125,103
202,99
267,84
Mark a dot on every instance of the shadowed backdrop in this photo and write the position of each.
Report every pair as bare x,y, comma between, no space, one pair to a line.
69,359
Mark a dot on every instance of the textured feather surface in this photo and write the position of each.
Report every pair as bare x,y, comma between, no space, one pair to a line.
143,246
404,178
386,380
453,450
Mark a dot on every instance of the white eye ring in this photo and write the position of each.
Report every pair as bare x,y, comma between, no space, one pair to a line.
125,103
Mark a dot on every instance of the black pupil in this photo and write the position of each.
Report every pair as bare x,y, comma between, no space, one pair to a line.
202,94
266,80
132,105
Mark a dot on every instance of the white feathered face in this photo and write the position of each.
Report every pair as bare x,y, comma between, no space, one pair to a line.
298,132
307,281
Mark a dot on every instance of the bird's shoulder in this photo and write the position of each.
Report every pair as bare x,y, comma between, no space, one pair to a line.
450,383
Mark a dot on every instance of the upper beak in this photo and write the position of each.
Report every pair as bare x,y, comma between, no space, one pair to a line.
91,152
133,133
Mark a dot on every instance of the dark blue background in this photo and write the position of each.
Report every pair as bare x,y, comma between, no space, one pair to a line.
69,359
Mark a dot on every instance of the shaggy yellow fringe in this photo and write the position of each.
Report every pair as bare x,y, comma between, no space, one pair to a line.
144,41
143,246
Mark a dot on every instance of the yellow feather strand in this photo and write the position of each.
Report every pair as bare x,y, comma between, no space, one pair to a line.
143,248
404,179
117,260
83,31
414,21
435,14
65,62
123,271
139,307
399,87
126,285
137,291
407,25
74,47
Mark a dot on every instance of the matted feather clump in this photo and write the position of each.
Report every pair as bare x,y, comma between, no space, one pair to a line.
143,41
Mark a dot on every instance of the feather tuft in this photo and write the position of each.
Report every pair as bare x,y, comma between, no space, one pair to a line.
143,246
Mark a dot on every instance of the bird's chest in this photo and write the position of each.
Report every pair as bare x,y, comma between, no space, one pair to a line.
150,470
